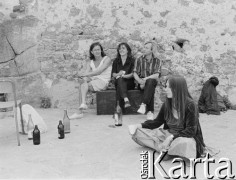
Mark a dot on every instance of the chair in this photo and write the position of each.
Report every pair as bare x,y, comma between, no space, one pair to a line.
8,87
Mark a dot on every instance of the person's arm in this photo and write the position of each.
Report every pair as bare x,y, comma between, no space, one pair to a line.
114,72
153,76
137,78
157,122
149,124
98,71
137,71
88,69
157,71
130,71
128,76
191,120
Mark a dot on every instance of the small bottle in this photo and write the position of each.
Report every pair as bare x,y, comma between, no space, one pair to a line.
36,135
66,122
30,127
60,128
118,115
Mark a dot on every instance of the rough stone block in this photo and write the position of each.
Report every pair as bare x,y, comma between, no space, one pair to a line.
27,62
5,49
106,102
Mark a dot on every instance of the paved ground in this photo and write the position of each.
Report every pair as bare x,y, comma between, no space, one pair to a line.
93,150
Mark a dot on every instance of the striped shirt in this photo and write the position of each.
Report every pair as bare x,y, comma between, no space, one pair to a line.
145,68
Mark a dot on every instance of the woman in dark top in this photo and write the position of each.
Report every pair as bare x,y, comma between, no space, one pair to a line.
180,118
122,72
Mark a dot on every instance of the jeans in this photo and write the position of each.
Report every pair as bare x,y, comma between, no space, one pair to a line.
148,94
122,86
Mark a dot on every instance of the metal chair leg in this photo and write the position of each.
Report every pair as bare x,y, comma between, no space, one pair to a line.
21,119
17,128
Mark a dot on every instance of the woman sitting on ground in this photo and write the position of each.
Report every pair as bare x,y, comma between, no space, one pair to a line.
181,134
97,75
122,72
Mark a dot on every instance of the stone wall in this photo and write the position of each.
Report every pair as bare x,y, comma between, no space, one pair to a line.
44,43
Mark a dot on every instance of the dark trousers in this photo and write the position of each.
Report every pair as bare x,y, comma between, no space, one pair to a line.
148,94
122,86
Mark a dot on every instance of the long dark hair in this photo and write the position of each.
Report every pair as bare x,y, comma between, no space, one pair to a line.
129,54
91,56
178,86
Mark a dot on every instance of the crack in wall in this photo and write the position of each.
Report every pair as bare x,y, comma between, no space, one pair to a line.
14,57
11,46
27,49
6,61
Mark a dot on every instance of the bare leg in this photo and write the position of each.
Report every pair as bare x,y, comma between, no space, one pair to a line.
84,88
84,91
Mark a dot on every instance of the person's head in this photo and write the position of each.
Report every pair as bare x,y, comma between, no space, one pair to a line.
124,49
214,80
177,94
148,48
96,50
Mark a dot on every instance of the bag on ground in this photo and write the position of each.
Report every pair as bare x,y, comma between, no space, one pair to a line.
36,118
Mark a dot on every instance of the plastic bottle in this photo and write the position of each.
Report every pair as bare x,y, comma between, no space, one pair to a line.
30,127
66,122
36,135
60,127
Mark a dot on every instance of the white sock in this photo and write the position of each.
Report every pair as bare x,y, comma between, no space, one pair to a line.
126,99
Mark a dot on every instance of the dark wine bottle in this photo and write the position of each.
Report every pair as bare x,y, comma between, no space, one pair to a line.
61,133
36,135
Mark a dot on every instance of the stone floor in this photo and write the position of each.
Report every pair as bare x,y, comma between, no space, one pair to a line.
93,150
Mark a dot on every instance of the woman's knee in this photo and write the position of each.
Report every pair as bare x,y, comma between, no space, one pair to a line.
90,87
120,81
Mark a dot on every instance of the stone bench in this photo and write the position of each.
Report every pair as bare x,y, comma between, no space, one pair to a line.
106,102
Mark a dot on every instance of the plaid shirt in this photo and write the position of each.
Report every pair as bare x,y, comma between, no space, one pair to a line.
145,68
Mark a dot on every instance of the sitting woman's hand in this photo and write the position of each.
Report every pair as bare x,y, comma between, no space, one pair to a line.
120,73
124,76
133,128
142,81
166,144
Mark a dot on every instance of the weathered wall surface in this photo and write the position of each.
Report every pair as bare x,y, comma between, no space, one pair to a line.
44,43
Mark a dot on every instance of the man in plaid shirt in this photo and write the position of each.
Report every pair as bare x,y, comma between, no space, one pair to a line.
146,72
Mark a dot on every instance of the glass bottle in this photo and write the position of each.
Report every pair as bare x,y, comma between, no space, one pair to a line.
60,128
36,135
30,127
66,122
118,115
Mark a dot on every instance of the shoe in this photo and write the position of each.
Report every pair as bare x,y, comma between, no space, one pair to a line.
83,106
150,115
127,104
142,109
76,116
